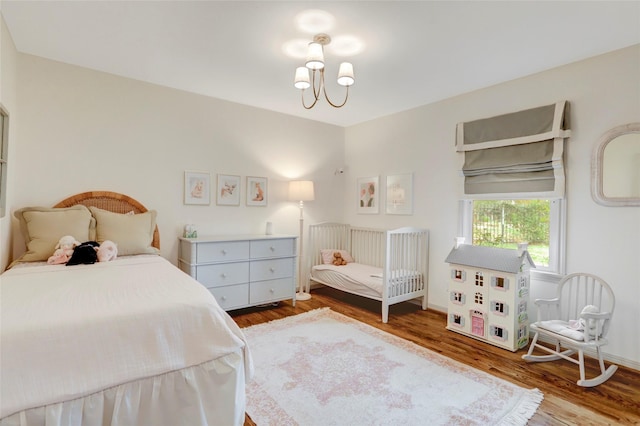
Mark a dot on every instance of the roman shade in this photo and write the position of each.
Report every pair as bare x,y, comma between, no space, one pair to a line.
517,154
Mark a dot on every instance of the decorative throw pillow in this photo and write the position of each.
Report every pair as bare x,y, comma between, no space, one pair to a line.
327,256
133,233
42,227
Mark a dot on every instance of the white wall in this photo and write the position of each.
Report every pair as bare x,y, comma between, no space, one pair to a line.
8,63
603,91
84,130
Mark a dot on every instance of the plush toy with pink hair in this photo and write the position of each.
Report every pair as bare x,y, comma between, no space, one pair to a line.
107,251
64,250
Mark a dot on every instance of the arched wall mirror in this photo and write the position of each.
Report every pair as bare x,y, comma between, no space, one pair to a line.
615,167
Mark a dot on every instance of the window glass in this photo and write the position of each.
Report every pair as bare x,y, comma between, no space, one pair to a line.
505,223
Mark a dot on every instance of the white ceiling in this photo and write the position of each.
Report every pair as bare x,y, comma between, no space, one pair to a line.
415,53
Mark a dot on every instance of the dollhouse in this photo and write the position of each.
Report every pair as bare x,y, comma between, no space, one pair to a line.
489,294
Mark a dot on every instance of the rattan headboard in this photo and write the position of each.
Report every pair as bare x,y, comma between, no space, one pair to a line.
111,201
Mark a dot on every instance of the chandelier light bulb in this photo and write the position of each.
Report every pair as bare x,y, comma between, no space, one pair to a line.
345,74
315,56
302,80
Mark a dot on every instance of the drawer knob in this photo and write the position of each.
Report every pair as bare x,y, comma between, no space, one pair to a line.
223,275
272,290
272,269
272,248
223,251
224,298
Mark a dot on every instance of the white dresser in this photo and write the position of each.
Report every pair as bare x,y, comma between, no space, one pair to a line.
242,270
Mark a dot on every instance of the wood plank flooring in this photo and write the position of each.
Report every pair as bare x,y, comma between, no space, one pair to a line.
616,402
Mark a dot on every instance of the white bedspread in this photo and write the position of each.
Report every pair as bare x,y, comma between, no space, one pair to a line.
69,331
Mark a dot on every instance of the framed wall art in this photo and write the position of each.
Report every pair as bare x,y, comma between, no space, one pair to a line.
368,195
228,190
197,188
256,191
400,194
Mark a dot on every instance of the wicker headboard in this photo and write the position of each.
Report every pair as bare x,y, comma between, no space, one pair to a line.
111,201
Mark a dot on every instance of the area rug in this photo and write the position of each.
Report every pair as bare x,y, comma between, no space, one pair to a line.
323,368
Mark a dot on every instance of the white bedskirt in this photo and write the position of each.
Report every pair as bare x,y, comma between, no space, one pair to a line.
166,399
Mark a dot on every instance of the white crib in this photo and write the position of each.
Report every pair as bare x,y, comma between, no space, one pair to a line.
397,258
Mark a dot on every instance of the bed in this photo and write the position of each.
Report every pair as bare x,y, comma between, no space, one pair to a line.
132,341
390,266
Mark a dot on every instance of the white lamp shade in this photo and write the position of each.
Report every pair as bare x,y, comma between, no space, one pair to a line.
345,74
301,190
302,80
315,56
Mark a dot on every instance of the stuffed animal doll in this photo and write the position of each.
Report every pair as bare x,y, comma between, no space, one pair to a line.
338,260
64,250
107,251
85,253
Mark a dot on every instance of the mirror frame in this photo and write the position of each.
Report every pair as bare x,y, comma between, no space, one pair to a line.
596,168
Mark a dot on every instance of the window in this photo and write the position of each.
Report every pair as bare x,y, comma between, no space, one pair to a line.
478,298
505,223
479,279
4,147
499,308
456,319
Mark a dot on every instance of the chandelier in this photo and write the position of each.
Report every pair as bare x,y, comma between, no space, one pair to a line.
312,74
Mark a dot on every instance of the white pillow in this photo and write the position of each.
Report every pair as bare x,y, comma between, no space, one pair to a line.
132,233
42,228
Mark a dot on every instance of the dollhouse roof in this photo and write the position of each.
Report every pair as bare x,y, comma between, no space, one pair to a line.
497,259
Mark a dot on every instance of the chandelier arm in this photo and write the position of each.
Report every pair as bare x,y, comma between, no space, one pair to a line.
310,106
318,92
336,105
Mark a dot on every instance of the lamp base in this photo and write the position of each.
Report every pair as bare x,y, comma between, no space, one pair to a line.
301,295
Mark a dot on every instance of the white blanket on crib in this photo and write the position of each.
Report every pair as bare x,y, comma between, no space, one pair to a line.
367,275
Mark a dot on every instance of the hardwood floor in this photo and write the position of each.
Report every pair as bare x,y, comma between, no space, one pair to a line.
616,402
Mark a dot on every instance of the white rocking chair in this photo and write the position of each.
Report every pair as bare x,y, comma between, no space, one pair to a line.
578,318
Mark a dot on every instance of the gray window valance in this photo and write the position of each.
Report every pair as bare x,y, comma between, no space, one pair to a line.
517,154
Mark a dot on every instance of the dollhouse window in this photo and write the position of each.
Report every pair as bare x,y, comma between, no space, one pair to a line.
458,275
456,319
500,283
499,308
479,279
457,297
522,311
522,283
478,298
498,332
522,332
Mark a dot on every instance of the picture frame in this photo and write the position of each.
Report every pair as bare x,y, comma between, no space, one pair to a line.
197,188
256,193
228,190
400,194
368,195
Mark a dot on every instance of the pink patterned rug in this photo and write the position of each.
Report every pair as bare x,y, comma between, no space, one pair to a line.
323,368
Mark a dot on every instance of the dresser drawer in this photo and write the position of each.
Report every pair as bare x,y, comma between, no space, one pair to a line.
266,291
222,251
271,269
272,248
221,274
231,297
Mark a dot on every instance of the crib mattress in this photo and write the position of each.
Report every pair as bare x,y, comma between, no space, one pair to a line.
357,278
